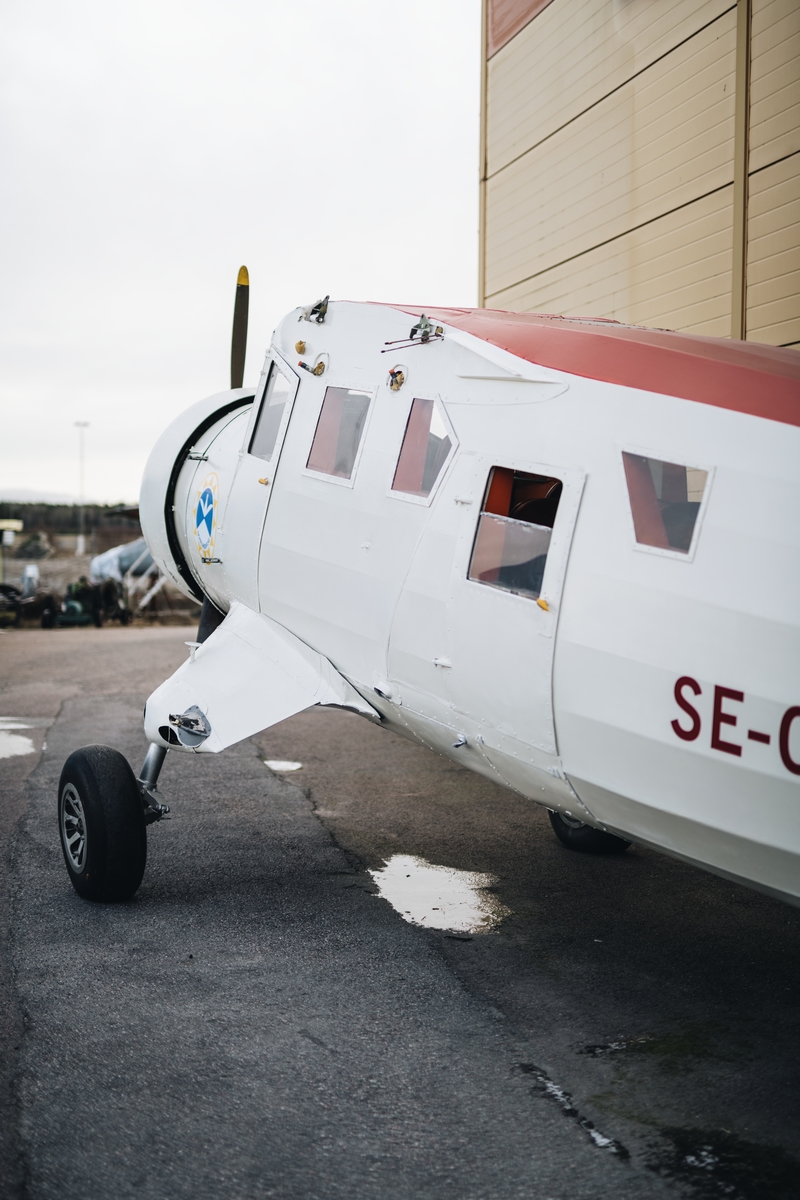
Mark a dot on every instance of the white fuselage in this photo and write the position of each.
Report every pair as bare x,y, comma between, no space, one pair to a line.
571,700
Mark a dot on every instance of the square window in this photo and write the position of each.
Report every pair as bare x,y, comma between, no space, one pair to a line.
665,499
426,445
514,531
339,431
277,394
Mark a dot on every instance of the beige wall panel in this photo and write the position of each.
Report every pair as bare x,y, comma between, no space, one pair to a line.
661,141
774,81
571,56
773,262
673,274
505,18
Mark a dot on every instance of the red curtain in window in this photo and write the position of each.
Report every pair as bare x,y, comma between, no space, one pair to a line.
647,520
411,463
498,498
673,483
326,439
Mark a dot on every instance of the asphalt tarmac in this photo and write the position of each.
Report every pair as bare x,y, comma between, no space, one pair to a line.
257,1022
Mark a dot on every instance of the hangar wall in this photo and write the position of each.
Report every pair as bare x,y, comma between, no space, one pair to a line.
640,159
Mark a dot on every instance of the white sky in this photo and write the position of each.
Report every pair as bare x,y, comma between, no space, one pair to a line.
150,149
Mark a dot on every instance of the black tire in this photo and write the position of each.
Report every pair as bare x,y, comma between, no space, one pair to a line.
577,835
48,619
101,824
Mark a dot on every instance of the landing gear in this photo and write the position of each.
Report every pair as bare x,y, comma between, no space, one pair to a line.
210,619
102,814
577,835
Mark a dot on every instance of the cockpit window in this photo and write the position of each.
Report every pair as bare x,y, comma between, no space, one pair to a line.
514,531
665,500
339,430
424,451
277,394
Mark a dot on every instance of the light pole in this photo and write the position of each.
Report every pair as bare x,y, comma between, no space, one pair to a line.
80,547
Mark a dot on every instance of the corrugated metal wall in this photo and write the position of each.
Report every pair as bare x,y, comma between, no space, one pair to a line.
608,155
773,216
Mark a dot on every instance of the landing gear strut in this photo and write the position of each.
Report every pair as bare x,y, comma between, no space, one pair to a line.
148,783
103,811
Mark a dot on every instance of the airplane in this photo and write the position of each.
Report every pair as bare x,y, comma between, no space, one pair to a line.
561,551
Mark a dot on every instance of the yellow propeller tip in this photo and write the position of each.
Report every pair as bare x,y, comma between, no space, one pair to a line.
244,278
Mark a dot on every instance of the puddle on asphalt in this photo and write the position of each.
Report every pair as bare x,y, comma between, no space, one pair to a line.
12,742
439,897
282,764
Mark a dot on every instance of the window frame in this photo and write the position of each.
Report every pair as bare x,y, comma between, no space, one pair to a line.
339,479
409,497
272,357
686,556
501,587
548,473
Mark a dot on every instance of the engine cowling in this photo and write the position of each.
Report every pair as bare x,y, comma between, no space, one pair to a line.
167,490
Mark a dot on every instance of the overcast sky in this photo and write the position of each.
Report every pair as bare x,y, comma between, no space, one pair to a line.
150,149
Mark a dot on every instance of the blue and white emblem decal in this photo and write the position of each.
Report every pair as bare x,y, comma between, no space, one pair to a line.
205,516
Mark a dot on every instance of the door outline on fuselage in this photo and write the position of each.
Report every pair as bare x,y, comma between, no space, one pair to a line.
508,742
423,641
256,469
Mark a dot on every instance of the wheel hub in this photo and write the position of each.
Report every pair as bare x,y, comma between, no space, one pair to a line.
73,828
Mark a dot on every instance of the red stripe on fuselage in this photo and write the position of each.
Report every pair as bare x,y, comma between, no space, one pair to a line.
745,377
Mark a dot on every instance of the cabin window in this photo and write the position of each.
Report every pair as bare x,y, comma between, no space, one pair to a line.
426,445
277,394
339,431
665,500
514,531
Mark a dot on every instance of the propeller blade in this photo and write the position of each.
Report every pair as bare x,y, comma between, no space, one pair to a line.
239,338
